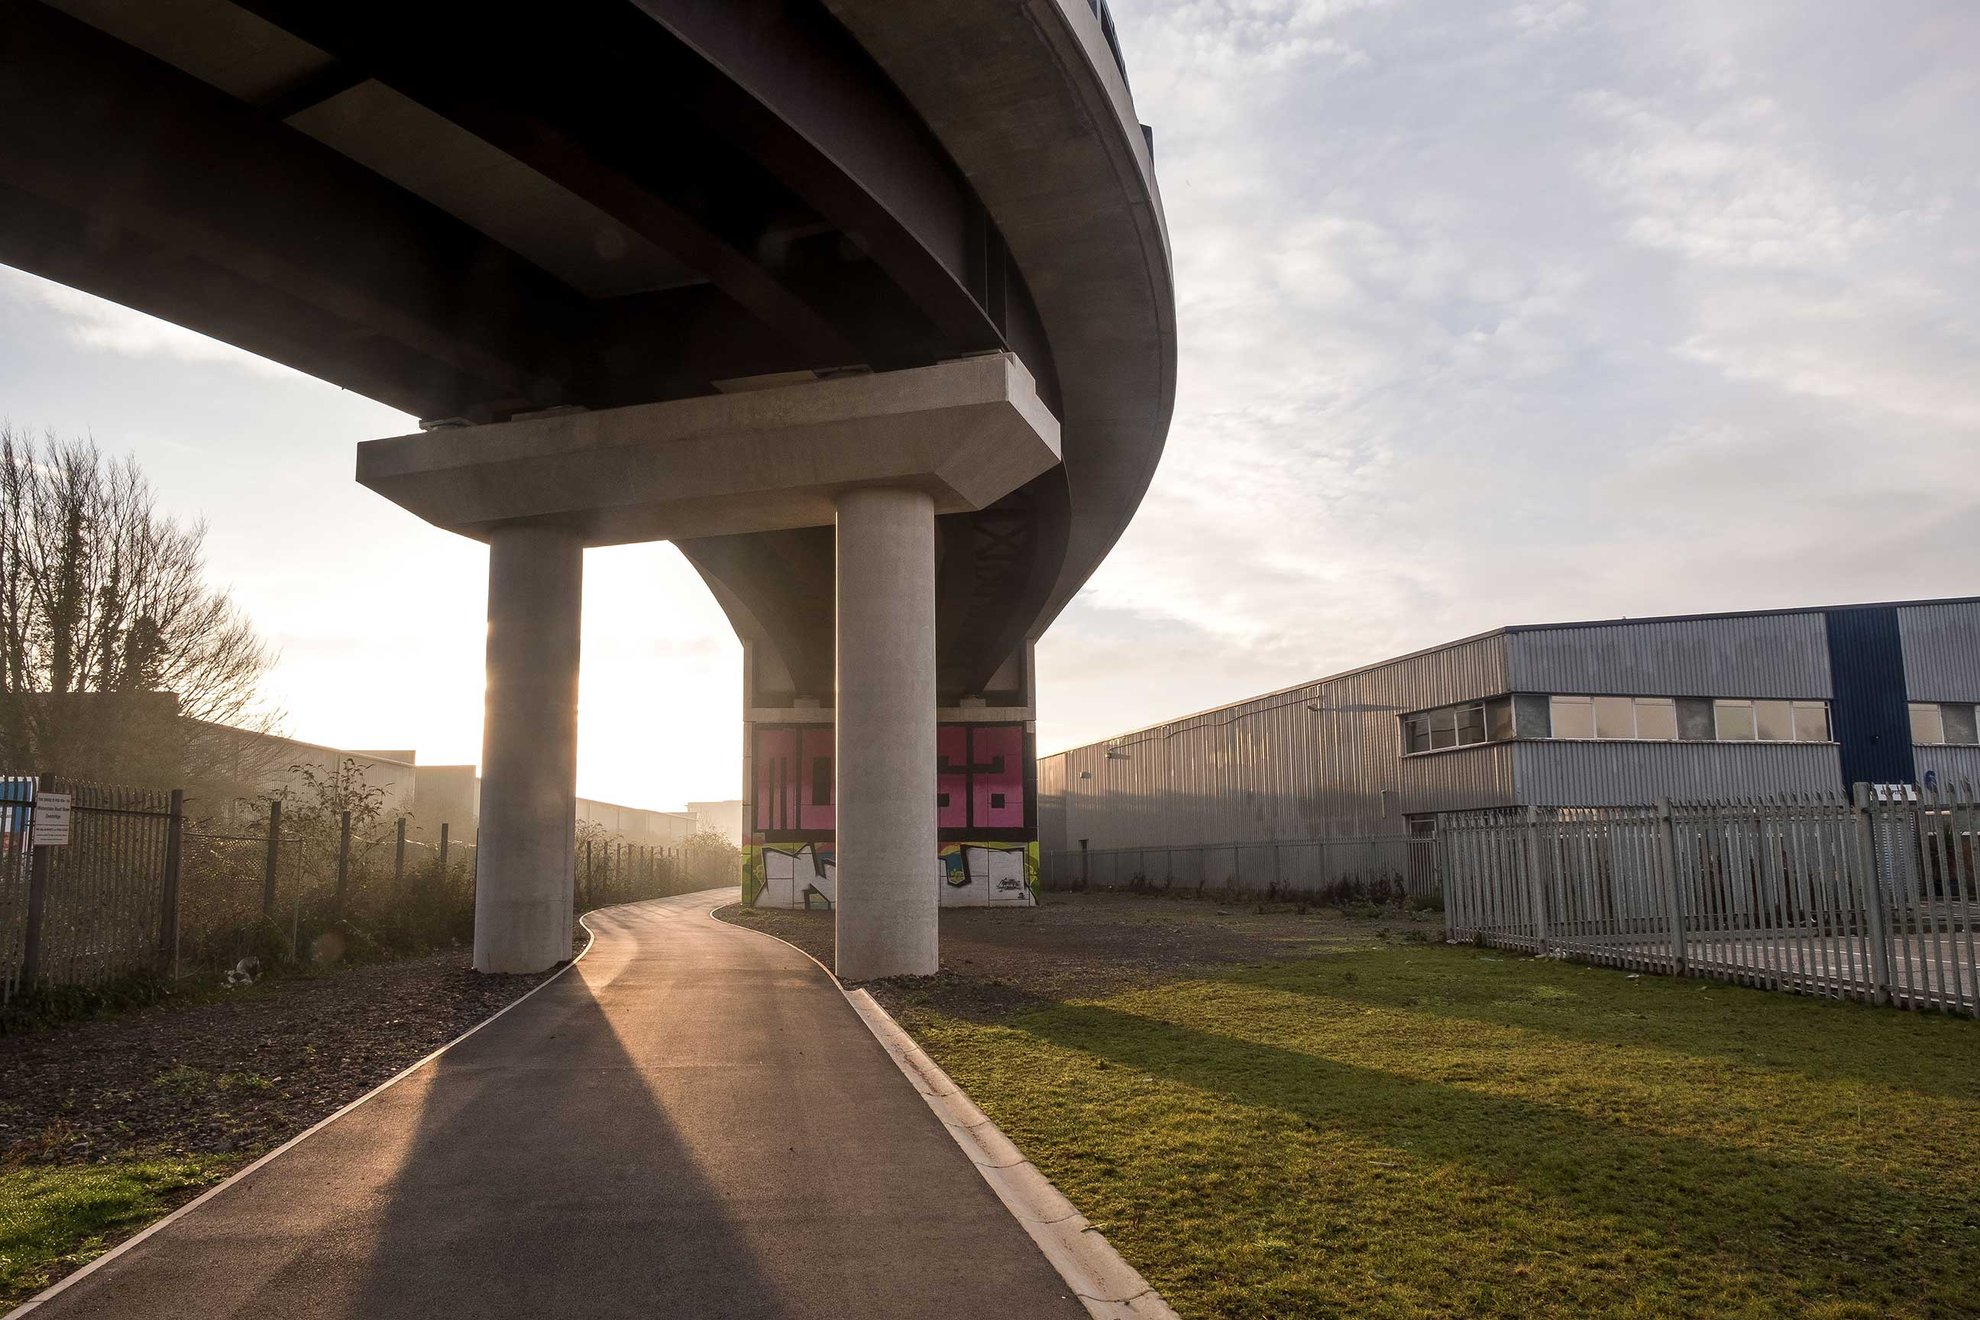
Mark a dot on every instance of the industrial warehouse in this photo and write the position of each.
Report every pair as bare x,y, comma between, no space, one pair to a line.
1344,776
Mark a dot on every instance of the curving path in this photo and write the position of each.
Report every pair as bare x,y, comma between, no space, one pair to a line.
692,1122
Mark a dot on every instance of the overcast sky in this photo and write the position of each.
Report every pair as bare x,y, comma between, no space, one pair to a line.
1489,313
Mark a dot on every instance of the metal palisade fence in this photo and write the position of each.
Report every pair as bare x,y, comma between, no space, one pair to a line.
1874,897
103,901
1380,869
134,886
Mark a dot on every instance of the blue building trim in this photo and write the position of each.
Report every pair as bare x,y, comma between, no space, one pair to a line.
1869,710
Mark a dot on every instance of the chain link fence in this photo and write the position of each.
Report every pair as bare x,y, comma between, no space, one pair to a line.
1390,868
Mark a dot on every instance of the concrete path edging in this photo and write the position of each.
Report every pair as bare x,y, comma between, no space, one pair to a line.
1109,1287
158,1225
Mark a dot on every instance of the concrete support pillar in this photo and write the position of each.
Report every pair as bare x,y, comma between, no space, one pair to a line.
884,763
524,881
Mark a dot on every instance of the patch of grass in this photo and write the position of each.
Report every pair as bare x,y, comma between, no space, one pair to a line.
183,1080
1410,1130
55,1218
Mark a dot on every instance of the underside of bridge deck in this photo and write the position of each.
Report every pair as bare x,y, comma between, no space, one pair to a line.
487,214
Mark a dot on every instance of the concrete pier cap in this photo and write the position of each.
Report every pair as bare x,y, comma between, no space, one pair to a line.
876,455
966,432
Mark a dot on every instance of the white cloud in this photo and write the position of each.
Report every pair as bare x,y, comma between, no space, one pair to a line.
1536,311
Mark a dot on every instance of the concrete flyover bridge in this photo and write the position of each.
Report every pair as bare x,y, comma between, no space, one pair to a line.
867,305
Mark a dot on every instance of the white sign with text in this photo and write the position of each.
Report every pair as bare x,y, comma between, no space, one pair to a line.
51,820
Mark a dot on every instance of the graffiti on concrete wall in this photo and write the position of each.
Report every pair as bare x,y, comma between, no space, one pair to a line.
789,875
804,875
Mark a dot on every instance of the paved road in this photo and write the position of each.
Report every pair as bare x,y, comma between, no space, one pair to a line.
691,1123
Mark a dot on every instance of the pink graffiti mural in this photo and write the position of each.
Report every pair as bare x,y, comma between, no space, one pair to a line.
996,776
776,779
794,779
979,785
815,781
952,777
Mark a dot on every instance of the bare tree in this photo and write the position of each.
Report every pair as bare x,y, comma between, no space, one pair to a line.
110,638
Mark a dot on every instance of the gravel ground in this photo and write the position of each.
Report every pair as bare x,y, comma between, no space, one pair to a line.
237,1074
996,962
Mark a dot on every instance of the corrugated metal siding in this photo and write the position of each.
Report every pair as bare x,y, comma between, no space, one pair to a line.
1941,651
1867,713
1271,769
1781,655
1954,766
1623,774
1052,802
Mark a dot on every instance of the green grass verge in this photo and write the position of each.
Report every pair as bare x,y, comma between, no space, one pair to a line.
1430,1131
55,1218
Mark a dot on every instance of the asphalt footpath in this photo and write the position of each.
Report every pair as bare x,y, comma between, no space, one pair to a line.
691,1122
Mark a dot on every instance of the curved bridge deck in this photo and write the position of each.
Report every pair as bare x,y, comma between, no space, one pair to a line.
691,1122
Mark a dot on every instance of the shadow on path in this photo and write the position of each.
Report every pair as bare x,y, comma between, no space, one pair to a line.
691,1122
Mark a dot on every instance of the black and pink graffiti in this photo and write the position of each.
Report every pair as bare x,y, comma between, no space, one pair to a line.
987,850
979,787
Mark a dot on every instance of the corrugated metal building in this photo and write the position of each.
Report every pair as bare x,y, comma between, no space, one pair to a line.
1608,713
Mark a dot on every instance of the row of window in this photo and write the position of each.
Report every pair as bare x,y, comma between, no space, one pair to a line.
1664,719
1944,724
1646,719
1458,726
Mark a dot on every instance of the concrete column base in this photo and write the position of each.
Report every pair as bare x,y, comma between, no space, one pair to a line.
884,761
524,873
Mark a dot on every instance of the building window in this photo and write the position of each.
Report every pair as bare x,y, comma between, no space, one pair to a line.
1573,717
1652,719
1945,724
1732,721
1743,720
1466,725
1656,719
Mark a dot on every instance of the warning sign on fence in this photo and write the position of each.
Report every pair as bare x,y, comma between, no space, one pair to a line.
51,820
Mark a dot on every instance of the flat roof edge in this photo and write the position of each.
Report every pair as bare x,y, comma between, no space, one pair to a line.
1503,631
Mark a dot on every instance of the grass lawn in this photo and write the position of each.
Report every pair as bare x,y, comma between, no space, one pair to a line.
54,1218
1411,1129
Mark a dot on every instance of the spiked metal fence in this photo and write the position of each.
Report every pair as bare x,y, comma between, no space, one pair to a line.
1875,897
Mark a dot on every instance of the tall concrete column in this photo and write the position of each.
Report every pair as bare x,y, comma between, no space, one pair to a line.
884,763
523,887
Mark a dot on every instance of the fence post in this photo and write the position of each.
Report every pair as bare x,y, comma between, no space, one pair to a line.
1667,869
168,925
399,859
343,861
443,852
273,858
37,904
1534,887
1877,934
